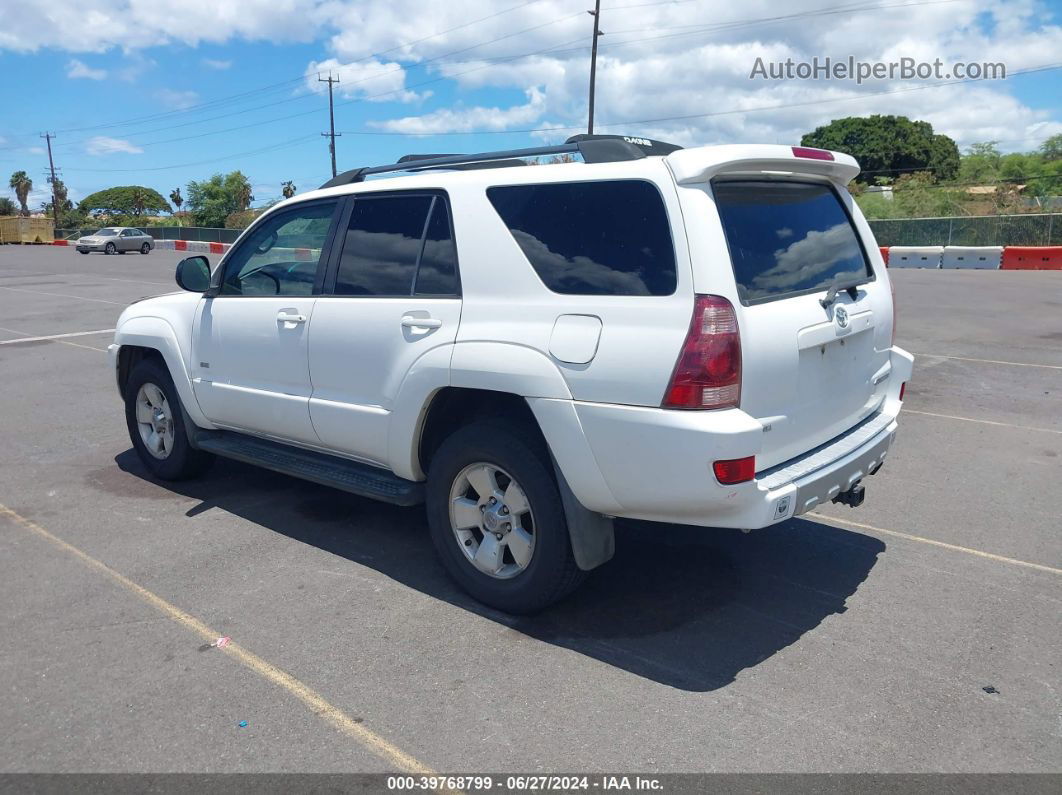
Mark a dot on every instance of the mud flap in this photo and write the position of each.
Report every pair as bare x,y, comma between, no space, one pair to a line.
592,535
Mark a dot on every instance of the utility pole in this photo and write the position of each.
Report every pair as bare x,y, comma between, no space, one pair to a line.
596,14
51,167
331,134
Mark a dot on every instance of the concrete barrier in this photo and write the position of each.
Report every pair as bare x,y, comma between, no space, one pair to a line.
1032,258
983,257
915,256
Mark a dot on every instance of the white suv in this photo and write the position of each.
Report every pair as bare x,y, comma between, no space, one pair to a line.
700,336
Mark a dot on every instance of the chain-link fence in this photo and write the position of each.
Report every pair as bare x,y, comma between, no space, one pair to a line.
202,233
1032,229
1027,229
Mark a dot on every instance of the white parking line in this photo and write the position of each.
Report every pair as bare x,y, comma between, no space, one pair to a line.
989,361
56,336
137,281
983,422
64,295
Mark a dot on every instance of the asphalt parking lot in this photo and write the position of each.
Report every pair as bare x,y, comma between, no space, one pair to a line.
849,640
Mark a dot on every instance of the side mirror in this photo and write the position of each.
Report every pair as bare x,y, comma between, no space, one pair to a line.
193,274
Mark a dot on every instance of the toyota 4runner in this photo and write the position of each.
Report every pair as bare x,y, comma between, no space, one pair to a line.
700,336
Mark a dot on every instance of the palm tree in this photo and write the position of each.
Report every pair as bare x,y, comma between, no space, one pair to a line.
243,195
21,184
288,189
176,198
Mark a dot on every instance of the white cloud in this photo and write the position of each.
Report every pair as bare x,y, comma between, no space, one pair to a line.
369,79
77,69
656,61
214,63
178,99
463,119
102,145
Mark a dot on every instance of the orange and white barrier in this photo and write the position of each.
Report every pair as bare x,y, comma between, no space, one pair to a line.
1032,258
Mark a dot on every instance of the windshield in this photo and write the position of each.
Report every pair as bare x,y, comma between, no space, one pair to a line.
788,238
107,232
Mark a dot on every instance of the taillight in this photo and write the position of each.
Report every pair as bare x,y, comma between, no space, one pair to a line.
708,372
736,470
893,291
814,154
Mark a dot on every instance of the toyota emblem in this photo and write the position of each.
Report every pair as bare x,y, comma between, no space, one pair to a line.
842,317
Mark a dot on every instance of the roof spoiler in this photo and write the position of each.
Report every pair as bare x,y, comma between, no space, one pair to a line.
701,165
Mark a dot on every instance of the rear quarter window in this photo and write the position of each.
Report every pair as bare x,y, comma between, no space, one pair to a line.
592,238
788,238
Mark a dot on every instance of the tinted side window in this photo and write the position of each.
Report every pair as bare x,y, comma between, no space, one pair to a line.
280,255
592,238
437,274
787,238
382,245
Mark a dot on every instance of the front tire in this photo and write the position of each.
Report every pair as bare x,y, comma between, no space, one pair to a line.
497,520
110,248
81,252
156,425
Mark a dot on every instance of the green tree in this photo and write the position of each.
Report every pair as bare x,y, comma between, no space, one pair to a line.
133,200
21,184
7,207
213,200
888,146
981,163
1051,149
288,189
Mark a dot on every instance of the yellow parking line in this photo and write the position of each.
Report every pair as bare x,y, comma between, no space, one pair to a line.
989,361
943,544
339,719
983,422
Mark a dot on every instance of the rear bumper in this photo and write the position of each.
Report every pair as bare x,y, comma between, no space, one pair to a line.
656,464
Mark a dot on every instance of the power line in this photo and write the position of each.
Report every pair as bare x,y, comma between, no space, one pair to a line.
270,148
284,83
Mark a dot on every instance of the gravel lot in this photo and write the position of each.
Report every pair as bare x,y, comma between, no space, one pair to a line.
849,640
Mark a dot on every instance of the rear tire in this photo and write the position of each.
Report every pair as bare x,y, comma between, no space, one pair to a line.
144,249
155,420
528,577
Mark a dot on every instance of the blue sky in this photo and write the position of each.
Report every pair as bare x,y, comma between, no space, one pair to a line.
162,93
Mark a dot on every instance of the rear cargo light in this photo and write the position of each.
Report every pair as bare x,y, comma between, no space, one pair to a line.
708,372
903,388
736,470
814,154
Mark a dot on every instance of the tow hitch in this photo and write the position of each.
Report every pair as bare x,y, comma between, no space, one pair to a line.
853,498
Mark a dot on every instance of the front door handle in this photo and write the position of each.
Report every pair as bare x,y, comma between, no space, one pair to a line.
420,322
284,317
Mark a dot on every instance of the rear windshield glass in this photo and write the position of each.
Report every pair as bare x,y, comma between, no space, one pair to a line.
787,238
592,238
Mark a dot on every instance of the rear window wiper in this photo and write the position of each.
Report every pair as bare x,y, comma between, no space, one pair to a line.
840,287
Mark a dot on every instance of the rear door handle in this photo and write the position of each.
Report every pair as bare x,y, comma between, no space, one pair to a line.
420,322
284,317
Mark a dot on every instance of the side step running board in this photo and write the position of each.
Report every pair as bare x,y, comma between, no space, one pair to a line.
328,470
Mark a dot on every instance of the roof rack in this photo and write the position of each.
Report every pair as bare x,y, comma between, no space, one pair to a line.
592,148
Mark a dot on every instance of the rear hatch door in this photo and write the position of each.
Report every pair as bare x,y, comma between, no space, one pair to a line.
814,360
